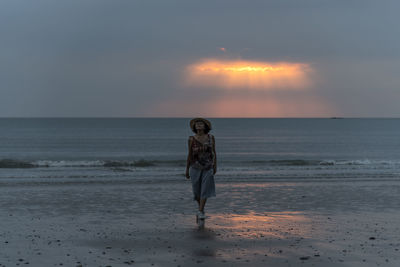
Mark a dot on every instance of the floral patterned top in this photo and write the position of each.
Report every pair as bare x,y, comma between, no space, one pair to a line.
202,154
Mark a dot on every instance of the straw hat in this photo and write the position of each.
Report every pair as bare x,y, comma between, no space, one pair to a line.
193,121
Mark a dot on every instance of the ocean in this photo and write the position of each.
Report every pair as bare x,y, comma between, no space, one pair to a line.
45,150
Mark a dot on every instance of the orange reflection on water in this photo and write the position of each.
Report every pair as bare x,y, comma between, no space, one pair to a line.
262,225
249,237
255,75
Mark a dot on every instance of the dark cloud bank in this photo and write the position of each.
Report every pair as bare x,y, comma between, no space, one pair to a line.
117,58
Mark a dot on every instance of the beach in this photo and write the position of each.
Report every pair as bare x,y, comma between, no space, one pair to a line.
121,222
106,105
113,192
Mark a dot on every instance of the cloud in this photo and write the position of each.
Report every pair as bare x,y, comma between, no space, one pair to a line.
248,75
122,58
247,88
252,105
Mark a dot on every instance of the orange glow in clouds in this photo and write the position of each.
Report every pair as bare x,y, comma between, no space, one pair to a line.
240,88
253,75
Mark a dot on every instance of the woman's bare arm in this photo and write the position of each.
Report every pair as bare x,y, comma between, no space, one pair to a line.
215,154
189,153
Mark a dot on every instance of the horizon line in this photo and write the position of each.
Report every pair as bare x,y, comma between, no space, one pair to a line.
173,117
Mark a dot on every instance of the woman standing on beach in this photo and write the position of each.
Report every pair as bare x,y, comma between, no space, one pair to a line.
201,163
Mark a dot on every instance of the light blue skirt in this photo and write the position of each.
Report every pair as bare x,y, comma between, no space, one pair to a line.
202,182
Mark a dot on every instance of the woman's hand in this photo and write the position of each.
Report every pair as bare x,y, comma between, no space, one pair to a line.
215,170
187,174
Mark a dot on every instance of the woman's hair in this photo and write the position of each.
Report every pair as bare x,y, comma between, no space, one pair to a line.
206,129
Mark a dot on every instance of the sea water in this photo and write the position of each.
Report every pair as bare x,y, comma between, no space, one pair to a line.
44,150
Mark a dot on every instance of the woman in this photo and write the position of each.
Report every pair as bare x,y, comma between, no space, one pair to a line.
201,163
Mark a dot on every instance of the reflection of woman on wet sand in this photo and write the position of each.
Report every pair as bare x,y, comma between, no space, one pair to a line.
201,163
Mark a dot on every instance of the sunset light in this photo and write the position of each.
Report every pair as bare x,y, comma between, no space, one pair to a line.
255,75
305,104
200,133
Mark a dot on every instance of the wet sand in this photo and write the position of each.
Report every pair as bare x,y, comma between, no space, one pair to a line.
125,222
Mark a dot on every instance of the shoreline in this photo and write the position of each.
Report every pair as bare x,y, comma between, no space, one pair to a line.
310,224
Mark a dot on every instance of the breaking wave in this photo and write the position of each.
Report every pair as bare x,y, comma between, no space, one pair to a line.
14,163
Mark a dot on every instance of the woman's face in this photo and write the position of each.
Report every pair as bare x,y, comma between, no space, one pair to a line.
199,125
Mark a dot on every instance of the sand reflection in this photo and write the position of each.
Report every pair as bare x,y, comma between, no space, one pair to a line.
241,237
254,225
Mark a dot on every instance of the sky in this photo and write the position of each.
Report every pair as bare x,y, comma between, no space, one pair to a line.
221,58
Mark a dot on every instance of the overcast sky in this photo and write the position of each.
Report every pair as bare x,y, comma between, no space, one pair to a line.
128,58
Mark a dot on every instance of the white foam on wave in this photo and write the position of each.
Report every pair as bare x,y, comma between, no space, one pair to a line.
69,163
360,162
236,165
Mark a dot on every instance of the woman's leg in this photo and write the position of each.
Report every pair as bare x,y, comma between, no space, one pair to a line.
202,203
